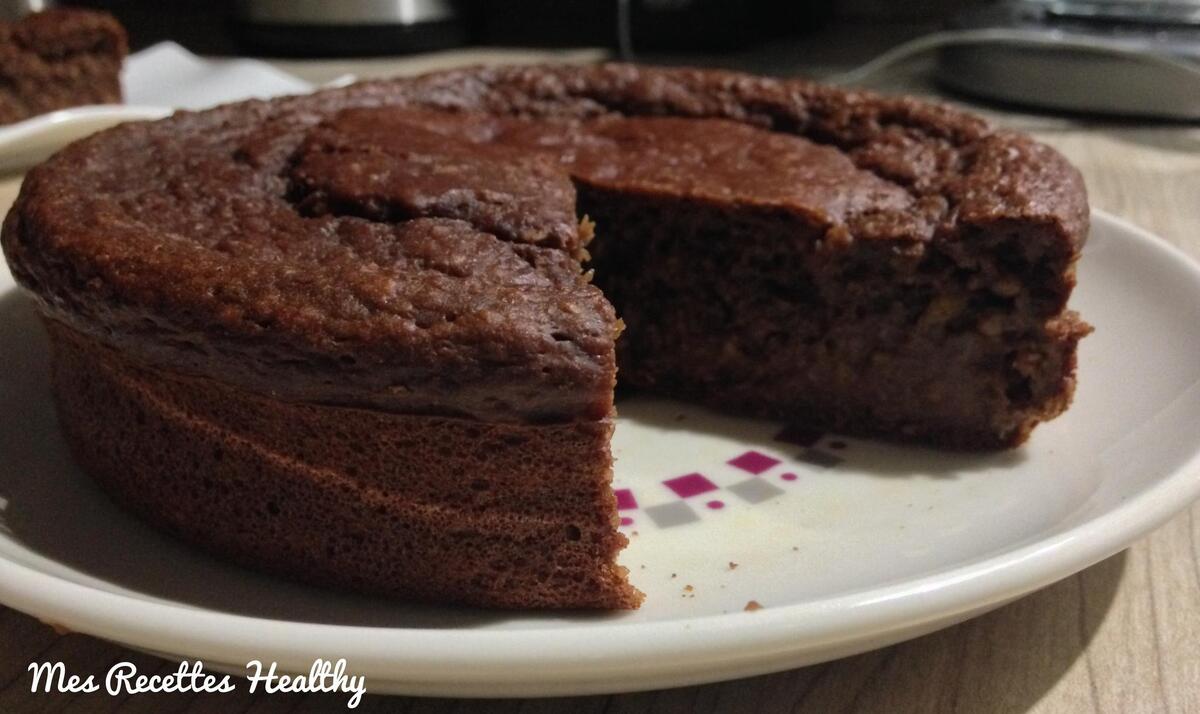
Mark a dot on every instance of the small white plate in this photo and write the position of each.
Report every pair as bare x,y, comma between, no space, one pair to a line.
845,549
155,81
27,142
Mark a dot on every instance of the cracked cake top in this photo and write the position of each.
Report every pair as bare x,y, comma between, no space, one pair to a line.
418,239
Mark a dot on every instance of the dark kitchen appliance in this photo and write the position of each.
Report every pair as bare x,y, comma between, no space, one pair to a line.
348,27
1137,58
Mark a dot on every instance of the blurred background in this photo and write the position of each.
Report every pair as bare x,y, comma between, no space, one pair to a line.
1123,58
1112,84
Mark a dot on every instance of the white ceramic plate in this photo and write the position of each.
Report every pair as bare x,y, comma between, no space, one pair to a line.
846,550
155,81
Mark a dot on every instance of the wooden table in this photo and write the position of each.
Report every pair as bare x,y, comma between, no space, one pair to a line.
1122,636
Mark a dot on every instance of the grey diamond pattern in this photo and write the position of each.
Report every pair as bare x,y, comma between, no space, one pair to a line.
755,490
671,514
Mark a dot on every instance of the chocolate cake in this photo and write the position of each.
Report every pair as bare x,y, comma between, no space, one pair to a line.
364,337
57,59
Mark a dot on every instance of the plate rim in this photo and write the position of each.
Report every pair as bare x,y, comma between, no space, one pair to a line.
540,656
48,121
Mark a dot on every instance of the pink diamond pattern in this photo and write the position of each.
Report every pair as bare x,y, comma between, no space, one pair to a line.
690,485
753,462
625,499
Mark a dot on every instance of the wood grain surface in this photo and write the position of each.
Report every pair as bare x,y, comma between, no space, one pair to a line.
1122,636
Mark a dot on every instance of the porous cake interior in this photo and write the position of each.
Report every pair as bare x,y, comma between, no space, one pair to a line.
754,311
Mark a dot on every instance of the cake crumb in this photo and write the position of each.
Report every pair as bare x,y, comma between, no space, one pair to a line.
672,575
688,588
732,565
752,606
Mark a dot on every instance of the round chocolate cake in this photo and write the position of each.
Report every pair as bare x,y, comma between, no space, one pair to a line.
366,338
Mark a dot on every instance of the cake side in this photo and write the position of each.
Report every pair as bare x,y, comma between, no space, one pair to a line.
59,58
428,508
